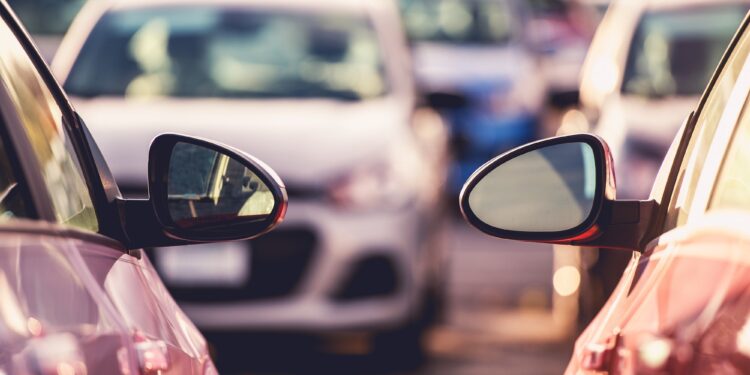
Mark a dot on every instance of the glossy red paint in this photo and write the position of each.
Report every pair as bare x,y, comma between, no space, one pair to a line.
681,308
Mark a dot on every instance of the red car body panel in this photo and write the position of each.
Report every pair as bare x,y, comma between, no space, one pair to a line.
108,302
680,308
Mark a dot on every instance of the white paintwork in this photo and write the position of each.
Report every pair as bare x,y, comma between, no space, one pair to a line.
310,143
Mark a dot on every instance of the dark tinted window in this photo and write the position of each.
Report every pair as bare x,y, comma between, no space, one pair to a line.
675,52
46,16
12,192
706,125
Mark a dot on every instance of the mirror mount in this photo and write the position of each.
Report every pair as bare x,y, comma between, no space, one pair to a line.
142,228
622,228
520,203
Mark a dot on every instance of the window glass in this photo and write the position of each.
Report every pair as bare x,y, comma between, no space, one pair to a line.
459,21
12,192
674,53
732,188
46,17
705,128
43,122
229,53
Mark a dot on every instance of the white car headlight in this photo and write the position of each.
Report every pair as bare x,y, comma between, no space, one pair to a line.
390,183
371,186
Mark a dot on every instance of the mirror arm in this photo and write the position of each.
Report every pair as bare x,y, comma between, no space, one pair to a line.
625,223
142,228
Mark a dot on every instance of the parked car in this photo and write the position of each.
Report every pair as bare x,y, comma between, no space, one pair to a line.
682,305
78,295
647,66
472,60
323,91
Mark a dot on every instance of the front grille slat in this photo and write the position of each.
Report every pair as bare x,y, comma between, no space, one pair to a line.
278,264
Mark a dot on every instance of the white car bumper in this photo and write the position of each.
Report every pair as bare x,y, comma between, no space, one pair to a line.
344,239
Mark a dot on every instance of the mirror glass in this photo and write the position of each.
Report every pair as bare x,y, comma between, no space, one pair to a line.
550,189
206,187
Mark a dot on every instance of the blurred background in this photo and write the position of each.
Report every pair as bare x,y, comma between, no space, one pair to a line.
374,113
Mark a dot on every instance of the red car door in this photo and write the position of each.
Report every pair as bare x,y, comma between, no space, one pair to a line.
165,339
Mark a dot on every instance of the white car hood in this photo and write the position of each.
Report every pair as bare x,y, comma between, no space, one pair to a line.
654,120
444,66
307,142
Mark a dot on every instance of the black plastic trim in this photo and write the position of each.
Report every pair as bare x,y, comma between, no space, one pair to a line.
615,224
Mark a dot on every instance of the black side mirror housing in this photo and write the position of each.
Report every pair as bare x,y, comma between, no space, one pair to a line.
201,191
558,190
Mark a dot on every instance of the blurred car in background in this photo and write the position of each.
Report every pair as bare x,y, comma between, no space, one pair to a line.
471,59
648,64
77,294
46,20
322,90
560,32
681,307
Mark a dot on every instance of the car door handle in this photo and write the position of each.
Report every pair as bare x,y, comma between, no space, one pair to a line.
153,355
598,357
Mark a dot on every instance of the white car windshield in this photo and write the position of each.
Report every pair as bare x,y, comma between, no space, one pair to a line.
459,21
229,53
674,53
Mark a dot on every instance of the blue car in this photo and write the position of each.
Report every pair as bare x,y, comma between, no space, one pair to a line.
472,59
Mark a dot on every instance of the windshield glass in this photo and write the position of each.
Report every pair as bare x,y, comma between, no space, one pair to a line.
458,21
229,53
674,53
46,17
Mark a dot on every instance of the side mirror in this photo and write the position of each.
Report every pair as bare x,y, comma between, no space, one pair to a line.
200,191
558,190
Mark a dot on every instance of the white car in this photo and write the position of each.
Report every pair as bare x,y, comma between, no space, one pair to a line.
647,67
321,90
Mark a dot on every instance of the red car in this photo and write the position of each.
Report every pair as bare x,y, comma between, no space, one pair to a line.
683,304
77,294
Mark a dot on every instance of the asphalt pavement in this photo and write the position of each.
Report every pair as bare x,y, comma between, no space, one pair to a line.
500,316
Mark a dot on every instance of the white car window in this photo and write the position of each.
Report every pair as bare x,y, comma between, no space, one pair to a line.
703,134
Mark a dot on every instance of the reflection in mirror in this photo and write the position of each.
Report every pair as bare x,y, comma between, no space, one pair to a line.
205,187
550,189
